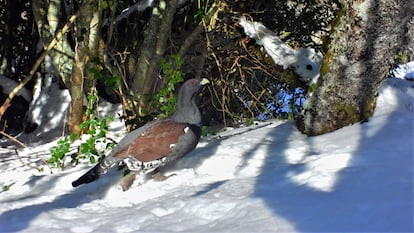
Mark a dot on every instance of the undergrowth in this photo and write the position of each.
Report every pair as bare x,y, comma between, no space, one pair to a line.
95,129
165,99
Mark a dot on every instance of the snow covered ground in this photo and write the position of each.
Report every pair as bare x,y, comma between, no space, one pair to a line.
266,177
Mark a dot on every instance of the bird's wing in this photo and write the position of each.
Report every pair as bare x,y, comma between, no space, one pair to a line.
155,142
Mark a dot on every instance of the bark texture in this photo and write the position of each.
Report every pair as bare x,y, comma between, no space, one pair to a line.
86,42
49,18
153,48
365,40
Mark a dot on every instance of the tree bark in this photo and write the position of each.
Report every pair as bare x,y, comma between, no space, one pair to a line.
47,15
152,49
86,40
365,39
76,94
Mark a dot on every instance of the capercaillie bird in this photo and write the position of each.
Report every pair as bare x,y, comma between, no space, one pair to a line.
158,142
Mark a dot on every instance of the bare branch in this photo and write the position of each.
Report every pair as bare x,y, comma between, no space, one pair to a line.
38,62
13,139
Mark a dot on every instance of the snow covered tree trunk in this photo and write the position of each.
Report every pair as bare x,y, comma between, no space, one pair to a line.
364,42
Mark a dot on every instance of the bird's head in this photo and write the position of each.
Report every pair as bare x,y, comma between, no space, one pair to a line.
186,108
192,86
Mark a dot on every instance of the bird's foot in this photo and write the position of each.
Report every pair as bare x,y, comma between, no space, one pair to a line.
159,177
127,181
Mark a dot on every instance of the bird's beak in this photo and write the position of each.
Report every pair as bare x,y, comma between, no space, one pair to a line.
204,81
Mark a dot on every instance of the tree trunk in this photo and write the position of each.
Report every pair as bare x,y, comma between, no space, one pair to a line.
152,49
76,94
365,39
47,15
86,48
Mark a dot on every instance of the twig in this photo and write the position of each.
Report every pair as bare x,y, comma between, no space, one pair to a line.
39,61
15,150
249,129
199,28
13,139
25,164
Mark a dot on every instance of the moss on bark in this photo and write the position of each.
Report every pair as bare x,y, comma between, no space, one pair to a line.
364,36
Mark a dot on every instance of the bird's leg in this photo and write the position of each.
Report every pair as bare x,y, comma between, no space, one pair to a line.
157,176
127,181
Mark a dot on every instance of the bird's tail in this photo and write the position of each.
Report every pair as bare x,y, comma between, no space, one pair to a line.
94,173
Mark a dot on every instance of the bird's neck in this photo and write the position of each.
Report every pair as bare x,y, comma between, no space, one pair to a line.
186,111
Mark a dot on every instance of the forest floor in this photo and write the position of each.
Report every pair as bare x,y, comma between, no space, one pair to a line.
265,177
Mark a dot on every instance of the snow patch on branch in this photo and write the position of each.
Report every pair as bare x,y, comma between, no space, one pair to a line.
137,7
306,62
8,85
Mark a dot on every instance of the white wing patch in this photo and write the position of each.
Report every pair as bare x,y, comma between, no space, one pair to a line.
186,129
134,164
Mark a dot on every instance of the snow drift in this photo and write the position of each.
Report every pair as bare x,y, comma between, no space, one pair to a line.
266,177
